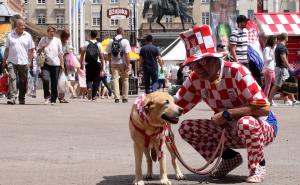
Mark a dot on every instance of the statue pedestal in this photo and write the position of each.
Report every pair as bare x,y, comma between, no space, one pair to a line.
164,39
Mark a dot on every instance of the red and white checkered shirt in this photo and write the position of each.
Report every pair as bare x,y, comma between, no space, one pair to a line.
236,88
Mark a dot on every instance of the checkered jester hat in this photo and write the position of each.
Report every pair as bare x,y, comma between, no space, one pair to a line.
199,43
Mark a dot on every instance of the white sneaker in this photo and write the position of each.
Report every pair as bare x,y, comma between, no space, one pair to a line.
257,175
47,101
273,104
296,102
52,103
288,103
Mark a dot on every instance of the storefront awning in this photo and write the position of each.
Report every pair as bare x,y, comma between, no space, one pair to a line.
277,23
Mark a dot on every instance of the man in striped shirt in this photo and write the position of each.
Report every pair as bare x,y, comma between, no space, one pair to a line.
239,41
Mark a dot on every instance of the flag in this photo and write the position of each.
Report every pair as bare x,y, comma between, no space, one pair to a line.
254,51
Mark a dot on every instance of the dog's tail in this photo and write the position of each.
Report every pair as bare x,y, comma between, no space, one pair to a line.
153,154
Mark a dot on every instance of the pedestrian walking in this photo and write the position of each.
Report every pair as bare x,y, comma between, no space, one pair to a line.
18,55
54,64
269,64
162,73
91,53
33,76
103,79
118,55
239,47
70,65
240,107
239,41
282,68
149,59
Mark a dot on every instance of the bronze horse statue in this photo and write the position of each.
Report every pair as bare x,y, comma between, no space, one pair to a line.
159,12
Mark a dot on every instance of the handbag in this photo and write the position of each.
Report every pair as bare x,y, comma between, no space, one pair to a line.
290,86
102,73
40,59
4,83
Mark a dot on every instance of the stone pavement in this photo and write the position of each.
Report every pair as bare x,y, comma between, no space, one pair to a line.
88,143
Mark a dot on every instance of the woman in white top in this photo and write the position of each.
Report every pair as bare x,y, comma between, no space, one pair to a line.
269,63
53,64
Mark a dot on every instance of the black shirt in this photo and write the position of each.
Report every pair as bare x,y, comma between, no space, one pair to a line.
149,53
280,49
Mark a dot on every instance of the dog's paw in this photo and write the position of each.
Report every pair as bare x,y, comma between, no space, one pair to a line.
149,176
138,182
165,182
180,176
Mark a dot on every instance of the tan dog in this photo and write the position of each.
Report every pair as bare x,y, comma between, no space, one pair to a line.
148,117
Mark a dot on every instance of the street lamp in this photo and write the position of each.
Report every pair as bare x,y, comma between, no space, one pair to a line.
100,1
133,21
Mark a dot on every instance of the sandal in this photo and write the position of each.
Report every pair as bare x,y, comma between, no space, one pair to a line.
63,101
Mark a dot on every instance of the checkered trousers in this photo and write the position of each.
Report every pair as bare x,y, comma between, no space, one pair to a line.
237,88
247,132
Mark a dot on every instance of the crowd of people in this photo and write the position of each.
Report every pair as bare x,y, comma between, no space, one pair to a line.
62,72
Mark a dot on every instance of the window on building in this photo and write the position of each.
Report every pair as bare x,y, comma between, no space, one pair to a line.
250,14
132,1
41,19
114,1
187,20
26,1
95,19
96,2
59,1
114,22
190,2
169,19
148,17
60,19
204,1
205,18
41,1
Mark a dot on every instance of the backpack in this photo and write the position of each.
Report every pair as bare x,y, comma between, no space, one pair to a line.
92,53
116,48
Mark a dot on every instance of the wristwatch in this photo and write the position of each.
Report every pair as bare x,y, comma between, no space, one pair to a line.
227,115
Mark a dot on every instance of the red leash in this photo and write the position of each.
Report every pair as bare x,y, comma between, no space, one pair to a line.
199,171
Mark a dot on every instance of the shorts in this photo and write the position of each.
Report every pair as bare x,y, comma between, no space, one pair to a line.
281,74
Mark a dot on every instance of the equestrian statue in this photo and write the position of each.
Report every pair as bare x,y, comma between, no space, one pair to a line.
167,7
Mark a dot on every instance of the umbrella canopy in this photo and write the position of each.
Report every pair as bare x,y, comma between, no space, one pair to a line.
104,43
134,56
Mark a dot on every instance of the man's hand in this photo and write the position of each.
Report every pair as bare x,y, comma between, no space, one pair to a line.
218,118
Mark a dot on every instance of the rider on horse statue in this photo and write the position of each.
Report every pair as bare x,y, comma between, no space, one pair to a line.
165,6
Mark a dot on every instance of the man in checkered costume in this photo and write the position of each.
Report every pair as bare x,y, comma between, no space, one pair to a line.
239,104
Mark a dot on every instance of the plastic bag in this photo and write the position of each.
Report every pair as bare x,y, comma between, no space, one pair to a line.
62,85
31,89
81,78
40,59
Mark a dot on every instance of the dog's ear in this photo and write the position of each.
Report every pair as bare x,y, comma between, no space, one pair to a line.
147,106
